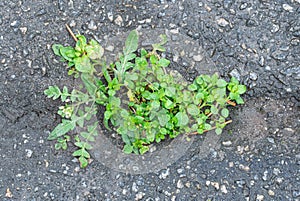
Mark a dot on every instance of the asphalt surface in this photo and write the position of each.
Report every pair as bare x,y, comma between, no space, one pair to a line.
256,158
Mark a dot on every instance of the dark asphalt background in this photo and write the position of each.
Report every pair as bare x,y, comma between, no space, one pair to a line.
257,41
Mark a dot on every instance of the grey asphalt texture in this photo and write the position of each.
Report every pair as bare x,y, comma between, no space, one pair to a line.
256,158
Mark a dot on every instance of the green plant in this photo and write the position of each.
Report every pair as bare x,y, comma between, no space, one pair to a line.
145,102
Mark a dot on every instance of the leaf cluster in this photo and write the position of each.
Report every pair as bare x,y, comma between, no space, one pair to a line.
144,101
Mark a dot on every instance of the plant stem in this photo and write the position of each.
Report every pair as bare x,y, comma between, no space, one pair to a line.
231,103
71,32
212,128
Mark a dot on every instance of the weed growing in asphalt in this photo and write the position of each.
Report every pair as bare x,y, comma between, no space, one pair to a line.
144,101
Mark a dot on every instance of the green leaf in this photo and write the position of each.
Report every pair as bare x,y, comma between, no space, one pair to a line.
239,100
88,136
132,76
81,43
193,110
225,112
144,149
218,131
131,43
221,83
83,162
214,109
207,126
163,118
65,94
153,59
155,104
94,50
158,46
241,89
56,49
169,104
83,64
58,146
170,91
163,62
80,122
61,129
234,81
106,74
182,119
81,152
125,138
192,87
53,91
89,81
128,149
151,136
67,53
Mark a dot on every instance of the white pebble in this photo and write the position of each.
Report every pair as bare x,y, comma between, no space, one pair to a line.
287,7
223,189
260,197
28,152
216,185
179,184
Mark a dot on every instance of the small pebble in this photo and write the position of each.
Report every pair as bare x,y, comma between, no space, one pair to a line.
222,22
223,189
139,196
110,16
28,152
23,30
260,197
271,140
271,193
134,187
198,57
164,174
92,25
179,184
287,7
119,20
216,185
227,143
253,76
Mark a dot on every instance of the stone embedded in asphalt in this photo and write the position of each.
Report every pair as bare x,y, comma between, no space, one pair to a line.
119,20
279,55
227,143
179,184
164,174
198,57
271,193
92,25
15,23
261,61
235,73
222,22
251,23
259,197
223,189
216,185
243,6
287,7
253,76
275,28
